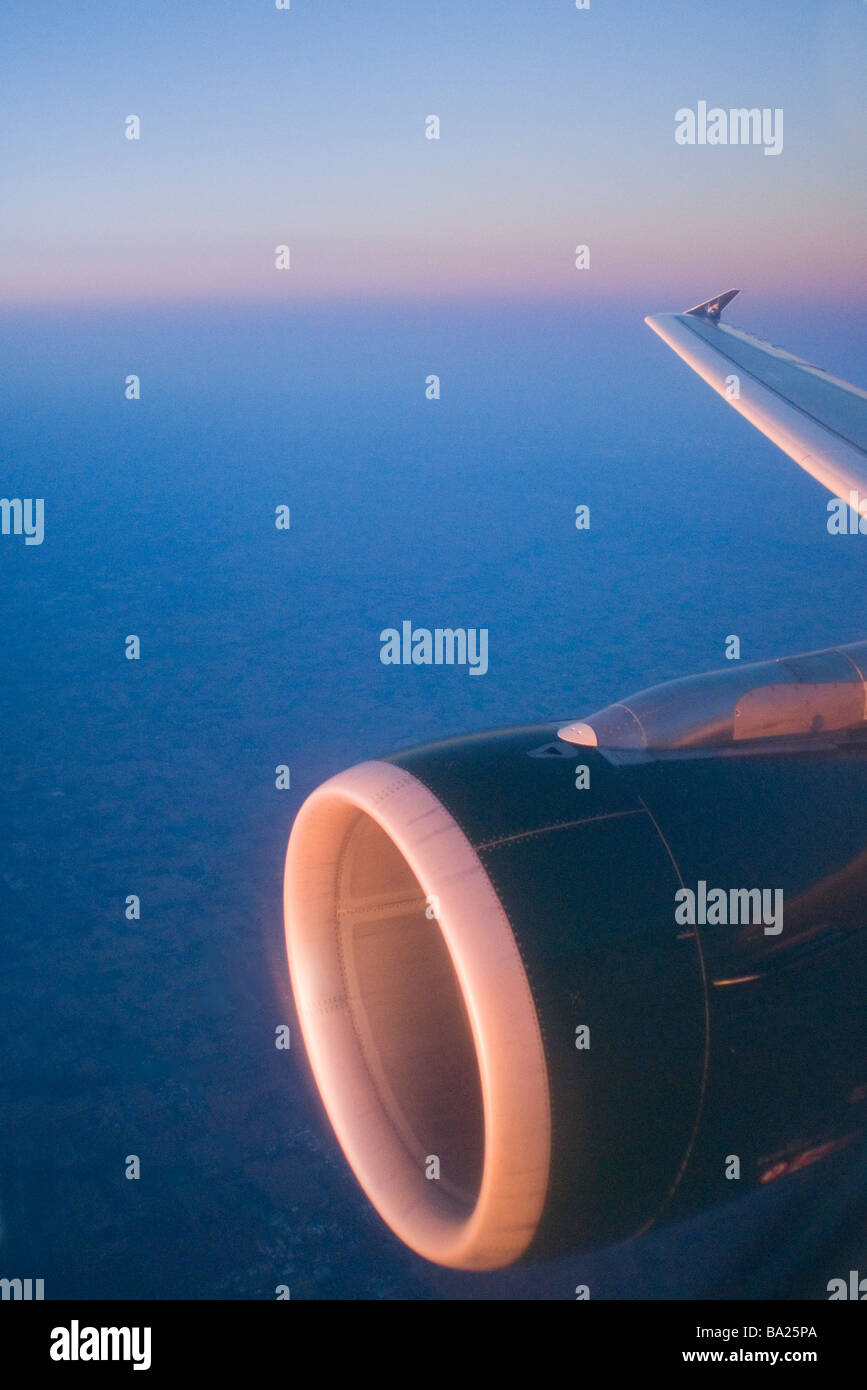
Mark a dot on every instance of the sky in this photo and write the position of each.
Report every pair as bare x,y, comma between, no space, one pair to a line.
306,127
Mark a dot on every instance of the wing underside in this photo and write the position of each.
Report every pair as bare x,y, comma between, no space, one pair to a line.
815,418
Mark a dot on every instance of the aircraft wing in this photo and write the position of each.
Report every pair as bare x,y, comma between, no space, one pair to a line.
815,418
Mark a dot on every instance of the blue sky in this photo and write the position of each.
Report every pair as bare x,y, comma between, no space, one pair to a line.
306,127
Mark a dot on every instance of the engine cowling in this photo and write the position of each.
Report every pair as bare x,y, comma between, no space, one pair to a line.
521,1044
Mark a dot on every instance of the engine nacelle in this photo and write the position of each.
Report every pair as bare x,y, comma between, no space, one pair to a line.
528,1035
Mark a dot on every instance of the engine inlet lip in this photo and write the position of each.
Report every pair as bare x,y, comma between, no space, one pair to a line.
502,1221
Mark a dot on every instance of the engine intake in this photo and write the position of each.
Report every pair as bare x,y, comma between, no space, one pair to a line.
519,1046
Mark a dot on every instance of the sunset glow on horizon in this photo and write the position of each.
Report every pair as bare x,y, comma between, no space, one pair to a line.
556,130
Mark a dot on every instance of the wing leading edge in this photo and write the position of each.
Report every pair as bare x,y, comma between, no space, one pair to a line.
815,418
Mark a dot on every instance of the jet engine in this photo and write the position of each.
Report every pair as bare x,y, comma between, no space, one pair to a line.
560,983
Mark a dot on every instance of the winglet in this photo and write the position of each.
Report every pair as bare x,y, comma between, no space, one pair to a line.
712,308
